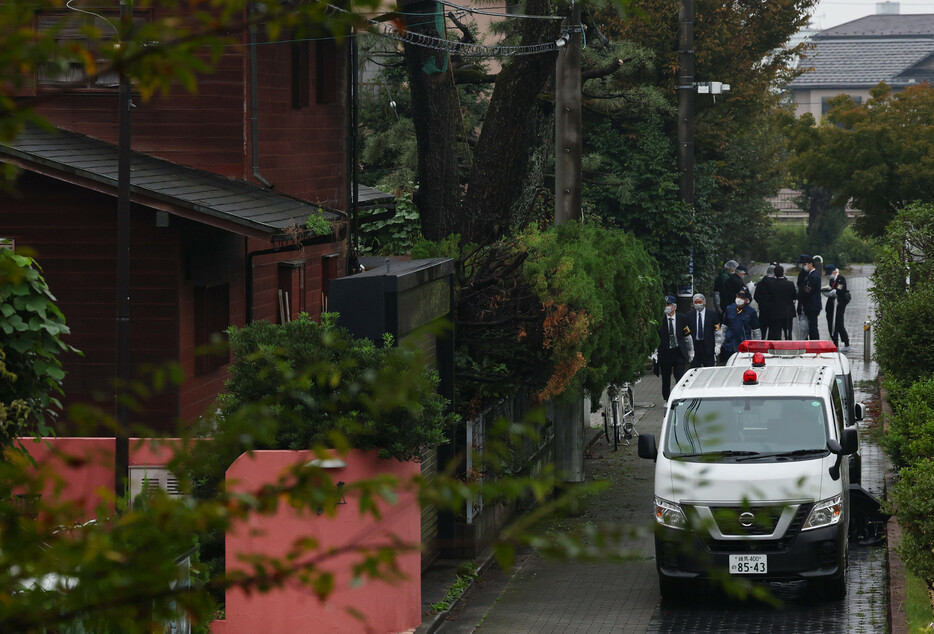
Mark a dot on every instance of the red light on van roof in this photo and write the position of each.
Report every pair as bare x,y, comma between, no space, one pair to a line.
758,360
755,345
750,377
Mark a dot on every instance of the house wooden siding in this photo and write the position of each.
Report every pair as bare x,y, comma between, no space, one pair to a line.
302,151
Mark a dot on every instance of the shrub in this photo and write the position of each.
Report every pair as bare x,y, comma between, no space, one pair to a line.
913,497
318,379
910,430
602,295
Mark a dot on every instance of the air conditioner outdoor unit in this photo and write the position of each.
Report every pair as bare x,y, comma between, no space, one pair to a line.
143,479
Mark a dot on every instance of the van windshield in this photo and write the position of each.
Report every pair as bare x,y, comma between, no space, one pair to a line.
746,428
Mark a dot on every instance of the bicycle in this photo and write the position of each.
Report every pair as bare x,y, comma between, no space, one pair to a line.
619,415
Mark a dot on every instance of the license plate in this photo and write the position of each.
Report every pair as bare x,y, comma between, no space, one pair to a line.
748,564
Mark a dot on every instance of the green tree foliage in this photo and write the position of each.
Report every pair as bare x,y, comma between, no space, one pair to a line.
32,328
784,242
903,288
601,293
738,147
875,154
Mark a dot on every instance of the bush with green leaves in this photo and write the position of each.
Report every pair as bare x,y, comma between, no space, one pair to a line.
32,328
903,289
394,235
784,242
271,360
910,429
913,499
602,295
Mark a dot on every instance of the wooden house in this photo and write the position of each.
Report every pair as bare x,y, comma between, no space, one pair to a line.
222,185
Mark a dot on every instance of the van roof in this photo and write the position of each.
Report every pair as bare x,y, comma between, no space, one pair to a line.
775,380
837,360
822,352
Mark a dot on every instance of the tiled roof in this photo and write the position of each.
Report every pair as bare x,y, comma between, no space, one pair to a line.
862,62
909,25
243,207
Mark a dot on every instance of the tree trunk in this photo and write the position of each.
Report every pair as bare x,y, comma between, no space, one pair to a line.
511,150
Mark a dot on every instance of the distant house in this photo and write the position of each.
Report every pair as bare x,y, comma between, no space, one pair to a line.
222,185
852,58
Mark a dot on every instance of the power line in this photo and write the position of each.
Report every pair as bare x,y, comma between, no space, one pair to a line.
464,49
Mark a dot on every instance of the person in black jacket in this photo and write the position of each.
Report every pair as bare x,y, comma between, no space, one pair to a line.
782,306
705,329
809,301
675,345
840,294
763,296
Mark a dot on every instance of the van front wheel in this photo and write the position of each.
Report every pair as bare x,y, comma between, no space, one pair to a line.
670,588
832,589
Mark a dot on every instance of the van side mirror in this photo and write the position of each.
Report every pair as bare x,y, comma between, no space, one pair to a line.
647,447
848,445
859,411
850,440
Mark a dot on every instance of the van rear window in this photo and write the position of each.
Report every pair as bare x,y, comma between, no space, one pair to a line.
732,428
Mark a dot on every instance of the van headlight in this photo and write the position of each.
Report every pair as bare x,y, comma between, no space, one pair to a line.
669,514
825,513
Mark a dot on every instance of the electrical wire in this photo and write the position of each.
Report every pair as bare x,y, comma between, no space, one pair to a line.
76,9
497,14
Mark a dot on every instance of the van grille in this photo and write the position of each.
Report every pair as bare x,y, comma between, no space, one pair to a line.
764,525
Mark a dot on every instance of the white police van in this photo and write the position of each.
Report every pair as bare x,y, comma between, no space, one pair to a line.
815,353
750,479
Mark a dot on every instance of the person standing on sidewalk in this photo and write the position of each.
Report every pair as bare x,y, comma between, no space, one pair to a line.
830,305
782,306
840,293
675,345
705,330
719,299
763,297
809,301
740,322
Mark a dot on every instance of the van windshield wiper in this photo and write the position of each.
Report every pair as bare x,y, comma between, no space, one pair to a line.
729,453
787,454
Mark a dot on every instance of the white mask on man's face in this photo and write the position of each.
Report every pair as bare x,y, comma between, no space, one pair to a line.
698,307
669,310
740,302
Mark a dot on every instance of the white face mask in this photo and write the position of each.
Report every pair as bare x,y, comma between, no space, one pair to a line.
698,307
740,302
669,310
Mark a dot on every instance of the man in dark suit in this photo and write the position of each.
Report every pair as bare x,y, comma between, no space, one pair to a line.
781,306
840,293
675,345
705,328
810,298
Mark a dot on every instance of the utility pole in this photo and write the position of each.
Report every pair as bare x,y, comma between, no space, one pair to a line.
569,417
686,133
122,440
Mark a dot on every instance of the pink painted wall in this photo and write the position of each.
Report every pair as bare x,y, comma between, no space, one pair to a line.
385,607
82,472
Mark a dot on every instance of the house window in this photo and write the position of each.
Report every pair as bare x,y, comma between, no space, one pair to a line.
301,74
76,34
326,71
212,318
825,103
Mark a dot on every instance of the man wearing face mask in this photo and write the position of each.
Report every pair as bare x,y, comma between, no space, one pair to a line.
705,331
810,298
675,345
740,322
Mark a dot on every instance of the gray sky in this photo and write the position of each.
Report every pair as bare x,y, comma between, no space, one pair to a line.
830,13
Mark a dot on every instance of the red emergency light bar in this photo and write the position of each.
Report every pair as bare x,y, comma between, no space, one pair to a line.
754,345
